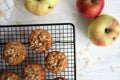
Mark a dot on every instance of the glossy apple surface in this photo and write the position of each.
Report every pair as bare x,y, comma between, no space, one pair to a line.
90,8
104,30
40,7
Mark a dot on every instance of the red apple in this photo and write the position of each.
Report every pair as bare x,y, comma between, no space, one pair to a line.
104,30
90,8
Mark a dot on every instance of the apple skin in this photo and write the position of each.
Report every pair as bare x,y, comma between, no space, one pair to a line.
40,7
103,30
90,8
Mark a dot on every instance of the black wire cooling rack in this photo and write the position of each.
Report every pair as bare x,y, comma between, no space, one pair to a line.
63,36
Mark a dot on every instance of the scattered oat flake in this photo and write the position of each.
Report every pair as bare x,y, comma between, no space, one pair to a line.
89,44
81,52
88,62
78,59
99,58
2,13
81,75
113,68
18,22
88,47
17,4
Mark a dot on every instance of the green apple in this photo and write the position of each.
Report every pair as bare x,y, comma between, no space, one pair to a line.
104,30
40,7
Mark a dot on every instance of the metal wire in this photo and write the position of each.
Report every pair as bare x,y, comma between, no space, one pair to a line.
63,36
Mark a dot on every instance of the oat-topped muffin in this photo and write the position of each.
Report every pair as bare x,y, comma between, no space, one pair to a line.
40,40
56,62
33,71
60,78
9,76
14,52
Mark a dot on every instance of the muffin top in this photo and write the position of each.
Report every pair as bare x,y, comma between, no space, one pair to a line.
60,78
14,52
9,76
40,40
56,62
33,71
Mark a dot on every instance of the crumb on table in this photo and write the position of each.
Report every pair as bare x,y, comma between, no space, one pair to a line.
18,22
2,13
87,61
17,4
113,68
81,75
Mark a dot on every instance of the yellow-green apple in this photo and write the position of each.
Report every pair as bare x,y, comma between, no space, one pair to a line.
90,8
103,30
40,7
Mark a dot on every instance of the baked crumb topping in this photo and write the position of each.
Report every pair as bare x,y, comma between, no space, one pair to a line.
56,62
40,40
33,72
14,52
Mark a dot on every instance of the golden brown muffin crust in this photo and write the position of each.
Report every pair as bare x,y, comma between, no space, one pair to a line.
60,78
56,62
9,76
33,71
14,52
40,40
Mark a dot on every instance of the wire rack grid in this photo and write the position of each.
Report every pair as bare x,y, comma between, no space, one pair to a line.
63,36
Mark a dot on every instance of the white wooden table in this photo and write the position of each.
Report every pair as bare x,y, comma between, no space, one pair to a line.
103,62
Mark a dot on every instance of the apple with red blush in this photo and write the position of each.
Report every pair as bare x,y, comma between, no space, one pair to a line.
90,8
104,30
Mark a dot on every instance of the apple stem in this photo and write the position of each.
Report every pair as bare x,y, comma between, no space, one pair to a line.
107,30
39,0
50,7
94,1
114,38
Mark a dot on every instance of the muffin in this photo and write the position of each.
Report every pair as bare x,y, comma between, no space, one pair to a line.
9,76
14,52
60,78
40,7
33,71
40,40
56,62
